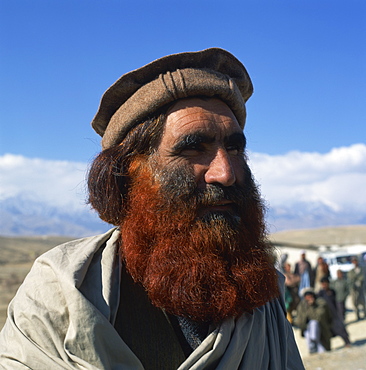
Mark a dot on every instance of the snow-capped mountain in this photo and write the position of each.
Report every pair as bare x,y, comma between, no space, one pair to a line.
304,215
22,216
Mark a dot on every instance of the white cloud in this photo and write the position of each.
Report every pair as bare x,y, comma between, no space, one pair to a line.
60,183
337,178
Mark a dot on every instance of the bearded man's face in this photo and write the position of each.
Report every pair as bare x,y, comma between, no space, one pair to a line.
194,235
204,135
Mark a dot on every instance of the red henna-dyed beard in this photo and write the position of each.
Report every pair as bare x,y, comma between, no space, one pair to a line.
204,269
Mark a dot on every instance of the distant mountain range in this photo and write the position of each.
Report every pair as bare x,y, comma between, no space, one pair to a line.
308,215
20,216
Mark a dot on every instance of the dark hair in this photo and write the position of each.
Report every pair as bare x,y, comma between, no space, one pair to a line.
310,293
108,180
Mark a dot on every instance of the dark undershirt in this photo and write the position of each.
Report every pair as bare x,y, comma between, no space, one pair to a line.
189,333
160,341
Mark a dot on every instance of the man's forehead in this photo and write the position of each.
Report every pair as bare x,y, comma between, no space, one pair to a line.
201,114
206,103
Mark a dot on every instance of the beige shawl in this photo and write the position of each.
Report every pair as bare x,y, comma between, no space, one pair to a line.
62,318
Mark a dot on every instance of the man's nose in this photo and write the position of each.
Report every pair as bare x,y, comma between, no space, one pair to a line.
220,170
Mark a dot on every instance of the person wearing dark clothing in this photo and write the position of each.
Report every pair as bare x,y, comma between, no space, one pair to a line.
356,282
304,270
341,288
338,327
314,320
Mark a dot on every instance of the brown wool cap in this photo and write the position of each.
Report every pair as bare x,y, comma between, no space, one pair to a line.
139,93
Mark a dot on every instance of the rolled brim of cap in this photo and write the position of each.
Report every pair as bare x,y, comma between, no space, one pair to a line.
137,95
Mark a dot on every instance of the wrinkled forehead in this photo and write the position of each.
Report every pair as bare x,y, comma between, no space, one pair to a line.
203,105
211,116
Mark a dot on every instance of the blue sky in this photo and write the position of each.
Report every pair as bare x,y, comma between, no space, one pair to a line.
307,60
306,125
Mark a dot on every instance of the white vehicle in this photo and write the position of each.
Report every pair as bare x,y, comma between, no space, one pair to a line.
342,259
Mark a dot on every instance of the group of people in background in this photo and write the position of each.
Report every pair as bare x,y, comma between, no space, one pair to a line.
316,304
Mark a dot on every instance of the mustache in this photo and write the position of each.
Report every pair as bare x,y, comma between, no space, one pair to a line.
180,185
215,193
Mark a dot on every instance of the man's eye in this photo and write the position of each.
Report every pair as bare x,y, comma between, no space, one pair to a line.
191,149
235,150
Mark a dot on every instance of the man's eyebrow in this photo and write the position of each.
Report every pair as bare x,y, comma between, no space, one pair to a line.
192,140
237,138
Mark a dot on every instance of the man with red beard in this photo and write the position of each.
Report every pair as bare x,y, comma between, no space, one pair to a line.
186,280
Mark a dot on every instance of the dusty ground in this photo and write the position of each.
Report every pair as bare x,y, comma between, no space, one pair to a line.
340,358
